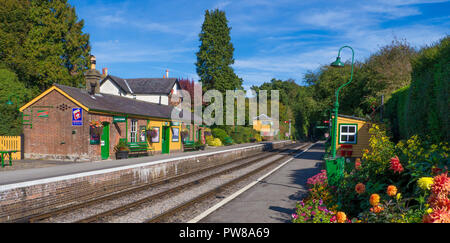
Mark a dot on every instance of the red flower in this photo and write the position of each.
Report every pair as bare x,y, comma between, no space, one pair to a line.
357,164
396,166
441,184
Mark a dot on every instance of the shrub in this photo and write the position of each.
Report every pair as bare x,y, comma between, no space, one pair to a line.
211,141
220,134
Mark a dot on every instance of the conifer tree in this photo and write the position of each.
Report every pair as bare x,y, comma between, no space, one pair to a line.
215,57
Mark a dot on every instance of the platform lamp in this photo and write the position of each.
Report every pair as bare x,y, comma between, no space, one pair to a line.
9,102
338,63
335,166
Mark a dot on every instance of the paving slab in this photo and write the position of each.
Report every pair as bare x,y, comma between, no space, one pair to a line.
272,200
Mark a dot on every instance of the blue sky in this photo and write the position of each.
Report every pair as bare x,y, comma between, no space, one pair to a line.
272,39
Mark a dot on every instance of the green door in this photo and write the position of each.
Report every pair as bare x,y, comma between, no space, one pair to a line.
166,140
104,141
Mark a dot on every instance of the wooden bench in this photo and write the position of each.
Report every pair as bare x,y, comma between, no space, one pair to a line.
138,148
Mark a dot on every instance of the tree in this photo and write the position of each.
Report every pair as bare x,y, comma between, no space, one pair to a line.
44,43
12,88
215,57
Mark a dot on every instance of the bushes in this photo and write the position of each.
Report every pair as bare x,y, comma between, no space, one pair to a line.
211,141
422,108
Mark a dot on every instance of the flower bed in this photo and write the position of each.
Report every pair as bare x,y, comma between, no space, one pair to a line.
401,183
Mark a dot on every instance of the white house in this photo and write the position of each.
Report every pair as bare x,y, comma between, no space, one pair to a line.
155,90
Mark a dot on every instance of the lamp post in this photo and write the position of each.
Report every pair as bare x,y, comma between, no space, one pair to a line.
338,63
9,102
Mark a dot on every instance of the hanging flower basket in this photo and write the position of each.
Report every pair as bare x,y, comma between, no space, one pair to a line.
151,134
96,128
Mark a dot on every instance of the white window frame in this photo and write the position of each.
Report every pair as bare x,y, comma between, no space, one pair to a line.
133,133
348,133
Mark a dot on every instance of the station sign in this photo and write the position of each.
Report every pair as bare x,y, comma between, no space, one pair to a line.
117,119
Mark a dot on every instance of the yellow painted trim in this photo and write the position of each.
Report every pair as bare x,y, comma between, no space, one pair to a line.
36,99
48,91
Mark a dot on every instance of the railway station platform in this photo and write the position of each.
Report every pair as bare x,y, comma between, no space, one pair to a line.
273,199
24,192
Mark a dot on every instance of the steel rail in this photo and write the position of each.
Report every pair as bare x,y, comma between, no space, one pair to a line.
176,189
212,192
53,213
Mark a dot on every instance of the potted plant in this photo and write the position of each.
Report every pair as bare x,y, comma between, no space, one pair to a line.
121,150
199,145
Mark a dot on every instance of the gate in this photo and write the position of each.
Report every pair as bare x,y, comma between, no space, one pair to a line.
11,143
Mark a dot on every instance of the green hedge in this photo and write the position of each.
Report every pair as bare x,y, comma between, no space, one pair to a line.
395,113
422,108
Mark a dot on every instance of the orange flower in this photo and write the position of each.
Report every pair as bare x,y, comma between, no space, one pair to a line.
391,190
374,199
376,209
341,217
360,188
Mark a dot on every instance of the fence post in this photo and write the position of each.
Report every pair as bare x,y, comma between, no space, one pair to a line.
22,146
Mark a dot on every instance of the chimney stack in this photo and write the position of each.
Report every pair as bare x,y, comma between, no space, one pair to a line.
104,72
167,73
92,77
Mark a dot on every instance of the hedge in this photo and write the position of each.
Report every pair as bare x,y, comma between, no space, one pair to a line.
422,108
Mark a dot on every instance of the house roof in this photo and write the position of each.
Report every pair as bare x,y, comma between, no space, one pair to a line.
262,117
143,85
110,103
352,117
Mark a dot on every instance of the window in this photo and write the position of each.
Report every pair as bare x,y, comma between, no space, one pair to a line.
133,135
348,133
142,133
175,134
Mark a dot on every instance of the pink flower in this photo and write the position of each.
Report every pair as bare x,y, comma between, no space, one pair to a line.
396,166
294,216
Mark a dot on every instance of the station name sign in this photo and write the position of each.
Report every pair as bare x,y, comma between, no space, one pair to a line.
119,119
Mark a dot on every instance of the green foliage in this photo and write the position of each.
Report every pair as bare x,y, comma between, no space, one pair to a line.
121,146
41,43
243,134
428,107
395,113
44,43
422,108
219,133
215,57
211,141
14,91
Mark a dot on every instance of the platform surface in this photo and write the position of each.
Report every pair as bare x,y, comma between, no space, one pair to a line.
273,199
49,169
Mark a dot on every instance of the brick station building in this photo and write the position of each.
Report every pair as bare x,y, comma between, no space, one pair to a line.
57,123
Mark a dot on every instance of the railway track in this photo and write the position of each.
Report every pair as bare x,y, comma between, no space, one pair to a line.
213,192
70,208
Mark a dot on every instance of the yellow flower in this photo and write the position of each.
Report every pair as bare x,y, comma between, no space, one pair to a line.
429,210
399,196
425,183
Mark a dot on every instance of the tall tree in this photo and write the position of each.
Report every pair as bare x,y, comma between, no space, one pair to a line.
215,57
45,42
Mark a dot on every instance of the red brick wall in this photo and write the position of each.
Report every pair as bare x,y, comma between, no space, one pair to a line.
55,137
